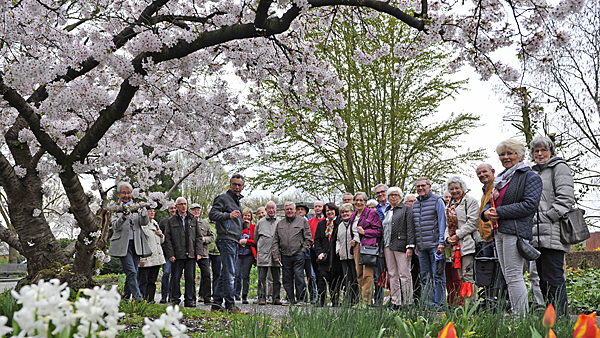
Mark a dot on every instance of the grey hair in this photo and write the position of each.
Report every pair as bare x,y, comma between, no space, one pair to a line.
539,142
456,179
371,201
394,189
513,145
179,199
271,202
380,185
234,176
423,178
319,201
409,195
360,193
289,203
346,206
486,164
347,193
122,185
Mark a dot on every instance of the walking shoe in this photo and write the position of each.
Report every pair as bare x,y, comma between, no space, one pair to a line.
200,299
237,298
164,301
244,300
236,310
262,302
190,304
277,302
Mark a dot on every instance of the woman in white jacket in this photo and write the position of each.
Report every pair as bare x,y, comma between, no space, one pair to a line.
149,266
462,230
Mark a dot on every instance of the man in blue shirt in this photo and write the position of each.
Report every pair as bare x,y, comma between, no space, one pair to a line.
429,213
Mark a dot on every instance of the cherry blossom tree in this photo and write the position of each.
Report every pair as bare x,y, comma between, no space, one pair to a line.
84,85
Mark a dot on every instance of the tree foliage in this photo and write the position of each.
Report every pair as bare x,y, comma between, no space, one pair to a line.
389,130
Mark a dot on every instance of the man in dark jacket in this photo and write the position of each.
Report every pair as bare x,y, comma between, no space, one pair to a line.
226,213
165,282
183,244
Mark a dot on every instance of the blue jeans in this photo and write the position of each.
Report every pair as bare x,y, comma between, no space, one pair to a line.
189,265
165,281
293,274
130,264
215,266
242,275
434,285
225,287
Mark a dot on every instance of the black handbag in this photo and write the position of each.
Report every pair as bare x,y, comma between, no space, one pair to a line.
368,255
526,250
573,229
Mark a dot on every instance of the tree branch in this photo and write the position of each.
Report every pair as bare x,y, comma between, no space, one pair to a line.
11,239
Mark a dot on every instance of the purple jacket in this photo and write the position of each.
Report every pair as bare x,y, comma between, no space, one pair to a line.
369,220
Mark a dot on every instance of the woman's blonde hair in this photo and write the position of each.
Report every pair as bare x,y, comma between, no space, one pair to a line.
514,145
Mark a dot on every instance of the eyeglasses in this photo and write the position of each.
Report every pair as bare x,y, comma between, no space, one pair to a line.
181,203
421,185
237,184
544,150
357,200
393,195
510,153
380,192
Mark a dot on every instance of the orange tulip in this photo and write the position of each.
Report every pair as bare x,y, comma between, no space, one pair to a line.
549,317
551,334
585,327
448,331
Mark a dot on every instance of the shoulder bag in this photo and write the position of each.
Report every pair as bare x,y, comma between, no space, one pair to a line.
368,254
573,229
526,250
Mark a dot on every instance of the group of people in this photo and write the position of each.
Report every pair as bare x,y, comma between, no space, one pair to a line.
424,244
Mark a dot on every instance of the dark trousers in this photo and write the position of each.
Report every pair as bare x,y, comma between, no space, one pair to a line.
189,265
204,288
165,281
350,282
415,272
311,277
147,281
242,275
552,279
215,266
262,279
293,274
328,279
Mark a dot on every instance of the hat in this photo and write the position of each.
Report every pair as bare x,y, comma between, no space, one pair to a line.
195,206
302,206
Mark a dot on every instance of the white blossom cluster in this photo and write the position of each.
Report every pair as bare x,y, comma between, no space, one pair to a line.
47,312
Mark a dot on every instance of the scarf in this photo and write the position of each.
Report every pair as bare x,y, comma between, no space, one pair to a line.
451,216
502,180
329,229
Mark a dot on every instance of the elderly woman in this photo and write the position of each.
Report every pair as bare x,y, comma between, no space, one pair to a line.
516,195
399,245
371,204
462,228
149,266
366,230
557,198
246,257
344,251
330,267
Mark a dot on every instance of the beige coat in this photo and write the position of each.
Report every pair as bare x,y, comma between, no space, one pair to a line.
157,258
467,213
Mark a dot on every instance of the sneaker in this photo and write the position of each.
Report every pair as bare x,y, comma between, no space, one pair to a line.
277,302
262,302
236,310
200,299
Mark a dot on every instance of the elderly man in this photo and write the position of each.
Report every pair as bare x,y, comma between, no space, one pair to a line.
183,245
226,213
263,237
291,242
429,213
348,198
409,199
165,282
128,240
203,263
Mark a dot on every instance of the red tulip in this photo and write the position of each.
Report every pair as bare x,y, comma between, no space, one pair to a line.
549,317
466,290
448,331
585,327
